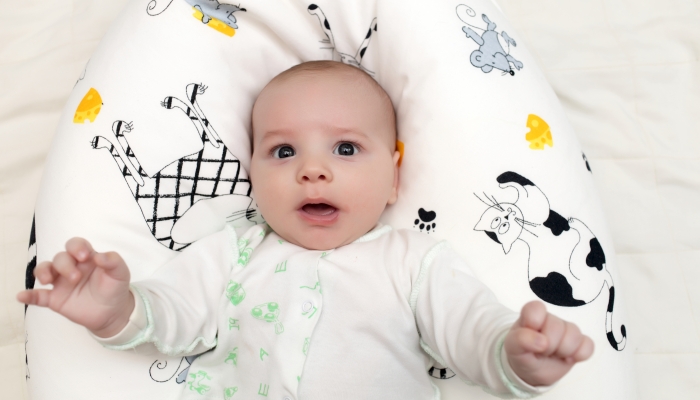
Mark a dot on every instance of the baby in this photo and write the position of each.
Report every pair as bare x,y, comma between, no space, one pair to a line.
322,301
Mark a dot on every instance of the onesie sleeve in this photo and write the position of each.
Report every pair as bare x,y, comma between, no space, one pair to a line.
462,325
176,308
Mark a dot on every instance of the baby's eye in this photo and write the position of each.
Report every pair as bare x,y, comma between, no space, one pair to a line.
283,152
346,149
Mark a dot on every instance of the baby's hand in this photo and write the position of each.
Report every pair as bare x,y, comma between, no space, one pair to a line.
89,288
542,348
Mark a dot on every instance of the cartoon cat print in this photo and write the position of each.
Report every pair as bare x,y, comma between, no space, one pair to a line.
192,196
567,265
354,60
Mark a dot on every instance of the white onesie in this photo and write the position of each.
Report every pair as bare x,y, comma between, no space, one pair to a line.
362,321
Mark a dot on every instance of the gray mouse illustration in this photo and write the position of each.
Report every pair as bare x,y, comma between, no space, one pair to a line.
213,9
491,54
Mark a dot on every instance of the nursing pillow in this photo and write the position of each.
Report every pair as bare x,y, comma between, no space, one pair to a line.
153,150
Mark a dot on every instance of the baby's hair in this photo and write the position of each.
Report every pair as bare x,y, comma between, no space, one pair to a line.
312,68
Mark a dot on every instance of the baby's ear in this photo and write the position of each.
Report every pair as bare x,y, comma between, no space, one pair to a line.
395,187
399,150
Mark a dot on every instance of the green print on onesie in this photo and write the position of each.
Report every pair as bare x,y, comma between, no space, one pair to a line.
316,286
229,392
268,312
233,323
196,383
305,349
232,357
244,251
281,267
263,389
235,292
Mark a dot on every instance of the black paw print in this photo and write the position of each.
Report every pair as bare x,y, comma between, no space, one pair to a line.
425,220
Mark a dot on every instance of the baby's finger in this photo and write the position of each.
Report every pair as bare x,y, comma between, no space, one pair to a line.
585,350
570,342
113,264
533,315
79,248
554,328
45,273
65,265
36,297
524,340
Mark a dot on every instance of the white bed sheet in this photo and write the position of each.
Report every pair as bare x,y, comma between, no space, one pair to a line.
627,73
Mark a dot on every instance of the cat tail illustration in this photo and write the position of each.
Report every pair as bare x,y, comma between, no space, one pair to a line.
617,345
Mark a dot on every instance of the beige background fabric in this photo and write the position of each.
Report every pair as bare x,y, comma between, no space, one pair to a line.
627,73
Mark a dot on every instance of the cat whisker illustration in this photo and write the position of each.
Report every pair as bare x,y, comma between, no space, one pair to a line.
525,222
482,200
235,216
496,204
490,203
529,231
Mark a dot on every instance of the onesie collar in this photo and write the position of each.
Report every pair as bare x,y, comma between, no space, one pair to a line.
376,232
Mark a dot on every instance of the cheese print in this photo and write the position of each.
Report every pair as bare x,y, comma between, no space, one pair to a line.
89,107
215,24
539,134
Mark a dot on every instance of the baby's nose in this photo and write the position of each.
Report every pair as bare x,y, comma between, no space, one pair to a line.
314,171
313,176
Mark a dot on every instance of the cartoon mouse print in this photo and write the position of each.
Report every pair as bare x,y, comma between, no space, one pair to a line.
192,196
354,60
181,371
566,264
208,10
213,9
490,53
156,7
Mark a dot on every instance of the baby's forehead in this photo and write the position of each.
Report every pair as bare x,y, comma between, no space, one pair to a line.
326,77
346,78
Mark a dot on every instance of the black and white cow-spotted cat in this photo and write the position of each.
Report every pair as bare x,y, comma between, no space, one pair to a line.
566,262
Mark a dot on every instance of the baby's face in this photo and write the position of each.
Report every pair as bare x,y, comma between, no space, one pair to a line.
324,163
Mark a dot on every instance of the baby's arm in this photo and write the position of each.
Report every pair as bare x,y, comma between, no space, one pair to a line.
465,328
89,288
541,348
177,306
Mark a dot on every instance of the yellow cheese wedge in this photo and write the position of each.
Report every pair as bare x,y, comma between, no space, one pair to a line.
539,134
88,108
215,24
399,148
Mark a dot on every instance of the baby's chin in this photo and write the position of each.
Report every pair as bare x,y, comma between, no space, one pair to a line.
322,238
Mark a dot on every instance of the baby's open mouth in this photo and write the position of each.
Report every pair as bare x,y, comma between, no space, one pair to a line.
319,209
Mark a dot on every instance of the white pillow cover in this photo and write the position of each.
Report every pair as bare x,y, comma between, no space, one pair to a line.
490,163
